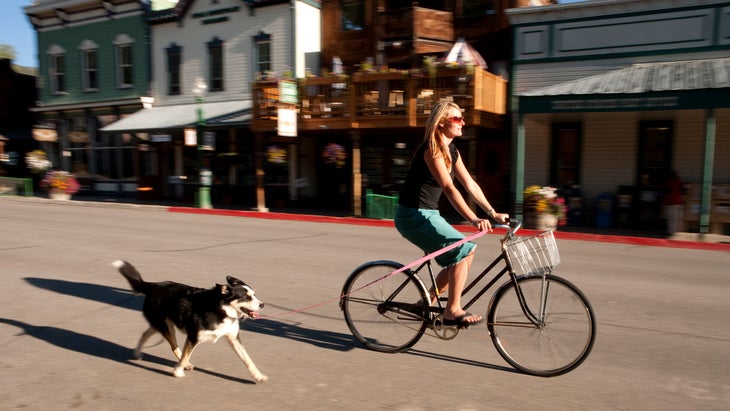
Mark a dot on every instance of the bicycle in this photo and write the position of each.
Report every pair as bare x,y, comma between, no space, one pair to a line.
540,323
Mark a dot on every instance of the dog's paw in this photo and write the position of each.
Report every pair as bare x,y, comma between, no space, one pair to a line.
261,378
189,367
179,372
137,354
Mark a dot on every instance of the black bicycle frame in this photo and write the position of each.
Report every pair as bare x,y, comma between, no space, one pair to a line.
507,269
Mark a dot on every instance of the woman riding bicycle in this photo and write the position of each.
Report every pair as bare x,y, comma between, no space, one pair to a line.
431,173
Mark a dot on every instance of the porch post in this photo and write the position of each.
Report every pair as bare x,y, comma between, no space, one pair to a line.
259,164
356,174
519,167
709,158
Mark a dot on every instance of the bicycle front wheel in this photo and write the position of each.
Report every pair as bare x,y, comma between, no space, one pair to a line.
551,334
381,310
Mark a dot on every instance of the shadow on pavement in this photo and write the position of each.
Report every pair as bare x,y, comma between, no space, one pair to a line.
124,298
95,292
293,331
97,347
458,360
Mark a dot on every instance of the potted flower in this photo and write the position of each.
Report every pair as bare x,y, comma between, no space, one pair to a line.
60,184
544,209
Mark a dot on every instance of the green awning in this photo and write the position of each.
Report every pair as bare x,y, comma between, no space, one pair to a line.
677,85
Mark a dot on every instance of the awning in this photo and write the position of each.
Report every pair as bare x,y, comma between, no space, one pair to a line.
463,52
692,84
182,116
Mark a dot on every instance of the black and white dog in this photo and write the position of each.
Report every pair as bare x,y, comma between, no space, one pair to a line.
205,315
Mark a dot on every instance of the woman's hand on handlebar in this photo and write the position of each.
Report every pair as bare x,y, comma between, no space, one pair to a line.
501,218
484,224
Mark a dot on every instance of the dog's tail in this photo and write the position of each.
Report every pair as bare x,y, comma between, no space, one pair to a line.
132,275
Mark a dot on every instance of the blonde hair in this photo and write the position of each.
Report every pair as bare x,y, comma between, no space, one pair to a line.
432,137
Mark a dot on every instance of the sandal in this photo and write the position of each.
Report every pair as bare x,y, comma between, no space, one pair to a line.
460,321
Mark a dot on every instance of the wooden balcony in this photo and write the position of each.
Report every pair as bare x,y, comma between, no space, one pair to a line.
413,23
390,99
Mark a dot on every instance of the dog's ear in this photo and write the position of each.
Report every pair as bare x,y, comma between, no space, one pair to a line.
234,281
222,288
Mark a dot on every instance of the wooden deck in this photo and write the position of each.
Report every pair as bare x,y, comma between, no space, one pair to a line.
389,99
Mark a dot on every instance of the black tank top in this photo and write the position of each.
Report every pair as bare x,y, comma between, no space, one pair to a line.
421,190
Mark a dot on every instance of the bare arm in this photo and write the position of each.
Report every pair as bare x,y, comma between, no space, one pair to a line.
438,169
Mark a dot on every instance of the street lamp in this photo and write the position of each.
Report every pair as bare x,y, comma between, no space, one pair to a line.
206,176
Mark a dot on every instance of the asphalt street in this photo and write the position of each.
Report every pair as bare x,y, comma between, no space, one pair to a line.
68,322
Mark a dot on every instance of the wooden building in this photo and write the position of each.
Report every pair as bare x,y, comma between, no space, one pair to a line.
382,69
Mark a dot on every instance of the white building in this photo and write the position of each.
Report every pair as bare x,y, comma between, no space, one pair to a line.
205,55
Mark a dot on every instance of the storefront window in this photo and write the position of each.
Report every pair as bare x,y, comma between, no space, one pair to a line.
655,152
353,14
565,159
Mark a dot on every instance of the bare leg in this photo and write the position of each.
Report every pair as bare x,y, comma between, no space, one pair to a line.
457,275
442,285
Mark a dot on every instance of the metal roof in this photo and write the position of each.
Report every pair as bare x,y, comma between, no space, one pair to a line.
181,116
647,78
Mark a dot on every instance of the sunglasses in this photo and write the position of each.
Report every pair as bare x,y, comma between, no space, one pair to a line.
455,119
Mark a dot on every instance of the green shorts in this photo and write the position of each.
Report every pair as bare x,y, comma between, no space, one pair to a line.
431,232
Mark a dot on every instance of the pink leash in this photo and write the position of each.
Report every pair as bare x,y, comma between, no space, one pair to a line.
405,267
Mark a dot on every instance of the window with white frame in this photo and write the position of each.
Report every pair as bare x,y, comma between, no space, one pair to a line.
89,66
57,69
262,51
123,60
215,61
174,53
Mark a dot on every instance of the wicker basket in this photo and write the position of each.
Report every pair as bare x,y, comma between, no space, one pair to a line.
537,254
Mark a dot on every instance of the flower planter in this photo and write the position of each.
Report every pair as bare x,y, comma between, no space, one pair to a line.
541,221
59,196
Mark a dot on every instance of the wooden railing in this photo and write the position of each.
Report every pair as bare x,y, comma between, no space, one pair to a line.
385,99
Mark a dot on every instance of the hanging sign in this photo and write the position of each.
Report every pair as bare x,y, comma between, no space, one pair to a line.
287,122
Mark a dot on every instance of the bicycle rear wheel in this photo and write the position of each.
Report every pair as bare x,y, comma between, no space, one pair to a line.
552,336
382,313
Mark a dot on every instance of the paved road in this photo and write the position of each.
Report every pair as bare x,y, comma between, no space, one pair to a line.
68,321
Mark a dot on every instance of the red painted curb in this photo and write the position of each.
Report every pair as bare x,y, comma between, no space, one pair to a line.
563,235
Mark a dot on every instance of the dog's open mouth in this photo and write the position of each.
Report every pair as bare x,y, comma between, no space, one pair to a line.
248,313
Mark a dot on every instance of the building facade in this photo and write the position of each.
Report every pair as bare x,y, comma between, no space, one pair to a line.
387,56
93,67
205,56
609,97
18,94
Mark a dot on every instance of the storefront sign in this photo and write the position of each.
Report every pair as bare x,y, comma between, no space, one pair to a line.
191,137
208,141
45,134
288,92
160,138
287,122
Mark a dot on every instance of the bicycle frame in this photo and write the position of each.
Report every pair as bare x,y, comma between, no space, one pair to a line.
536,320
535,336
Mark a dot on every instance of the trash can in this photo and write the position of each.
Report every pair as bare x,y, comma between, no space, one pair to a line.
604,210
574,201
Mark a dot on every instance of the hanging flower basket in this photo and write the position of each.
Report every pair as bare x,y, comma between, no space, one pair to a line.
276,155
334,154
37,161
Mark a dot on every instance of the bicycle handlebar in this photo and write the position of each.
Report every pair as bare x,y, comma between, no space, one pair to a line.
512,226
